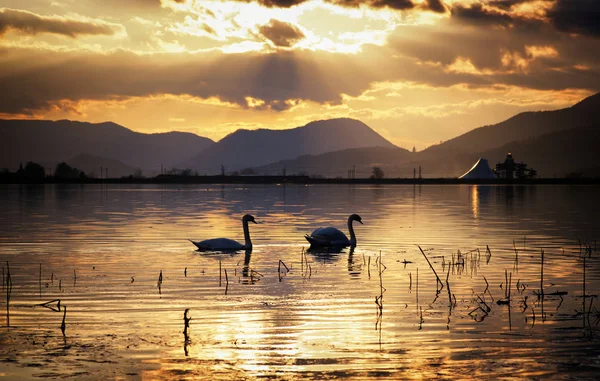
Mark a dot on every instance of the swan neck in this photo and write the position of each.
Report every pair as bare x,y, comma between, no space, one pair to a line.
352,235
247,242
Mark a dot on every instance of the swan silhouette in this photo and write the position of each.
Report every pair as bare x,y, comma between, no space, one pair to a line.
331,237
226,244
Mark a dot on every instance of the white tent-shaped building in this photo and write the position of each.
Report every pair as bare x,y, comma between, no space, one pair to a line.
481,170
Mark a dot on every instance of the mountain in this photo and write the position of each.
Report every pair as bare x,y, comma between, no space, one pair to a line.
338,163
520,127
557,154
245,148
50,142
91,165
555,143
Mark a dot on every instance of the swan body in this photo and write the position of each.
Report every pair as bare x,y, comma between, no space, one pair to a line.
333,237
226,244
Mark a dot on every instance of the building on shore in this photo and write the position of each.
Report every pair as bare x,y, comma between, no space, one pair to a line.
510,170
480,171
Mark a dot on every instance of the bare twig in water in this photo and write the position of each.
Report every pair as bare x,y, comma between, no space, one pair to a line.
186,327
542,275
159,283
487,288
449,293
439,281
49,306
186,322
279,269
63,326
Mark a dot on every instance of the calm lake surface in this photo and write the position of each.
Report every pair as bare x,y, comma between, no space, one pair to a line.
370,313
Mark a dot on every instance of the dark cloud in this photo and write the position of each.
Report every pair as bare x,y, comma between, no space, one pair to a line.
394,4
577,16
31,23
40,79
435,6
44,79
281,33
478,15
507,4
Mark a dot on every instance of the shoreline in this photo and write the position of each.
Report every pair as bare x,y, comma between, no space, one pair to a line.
173,179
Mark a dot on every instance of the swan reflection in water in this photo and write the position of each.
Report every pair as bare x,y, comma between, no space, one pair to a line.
330,255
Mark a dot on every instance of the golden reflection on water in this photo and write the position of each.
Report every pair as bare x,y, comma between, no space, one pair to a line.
314,324
475,202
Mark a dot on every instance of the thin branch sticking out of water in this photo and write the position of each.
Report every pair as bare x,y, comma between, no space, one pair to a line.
50,306
159,283
186,327
279,270
439,281
63,326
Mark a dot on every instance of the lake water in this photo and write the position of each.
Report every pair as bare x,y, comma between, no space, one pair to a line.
370,313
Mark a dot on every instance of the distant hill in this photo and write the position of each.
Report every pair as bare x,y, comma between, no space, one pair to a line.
520,127
337,164
245,148
50,142
91,166
555,143
557,154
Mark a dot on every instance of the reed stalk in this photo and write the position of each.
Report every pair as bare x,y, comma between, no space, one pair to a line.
63,326
439,281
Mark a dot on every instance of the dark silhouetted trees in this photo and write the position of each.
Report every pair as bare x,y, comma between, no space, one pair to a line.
377,173
65,171
33,171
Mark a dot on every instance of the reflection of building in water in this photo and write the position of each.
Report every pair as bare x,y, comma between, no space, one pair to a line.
510,170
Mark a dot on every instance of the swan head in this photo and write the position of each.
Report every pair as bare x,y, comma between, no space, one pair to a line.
248,218
355,217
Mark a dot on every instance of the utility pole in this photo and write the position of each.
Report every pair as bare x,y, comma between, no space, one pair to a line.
222,170
420,173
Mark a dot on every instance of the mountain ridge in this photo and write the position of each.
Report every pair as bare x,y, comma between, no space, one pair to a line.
251,148
51,142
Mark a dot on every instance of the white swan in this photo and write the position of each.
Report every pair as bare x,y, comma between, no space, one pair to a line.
226,244
332,237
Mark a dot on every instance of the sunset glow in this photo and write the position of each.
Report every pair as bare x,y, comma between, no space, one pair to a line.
209,67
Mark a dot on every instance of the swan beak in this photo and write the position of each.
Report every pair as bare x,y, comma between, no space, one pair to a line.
360,222
255,222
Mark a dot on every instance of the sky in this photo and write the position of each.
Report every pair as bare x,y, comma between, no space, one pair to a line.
417,71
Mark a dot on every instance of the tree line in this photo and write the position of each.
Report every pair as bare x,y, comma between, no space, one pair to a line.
35,171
